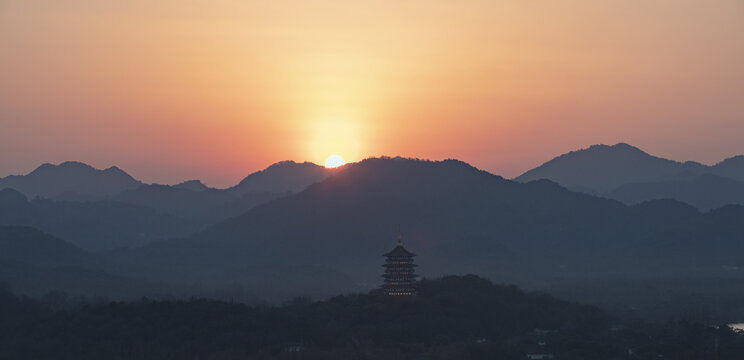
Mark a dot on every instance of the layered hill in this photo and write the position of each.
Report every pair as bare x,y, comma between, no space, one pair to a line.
705,192
35,263
195,201
204,207
458,219
31,246
732,167
330,237
95,225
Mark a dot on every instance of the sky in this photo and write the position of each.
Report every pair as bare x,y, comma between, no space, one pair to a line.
214,90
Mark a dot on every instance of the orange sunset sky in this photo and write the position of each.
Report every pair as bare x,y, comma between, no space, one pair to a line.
217,89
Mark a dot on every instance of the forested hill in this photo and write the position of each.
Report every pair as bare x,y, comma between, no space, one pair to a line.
451,318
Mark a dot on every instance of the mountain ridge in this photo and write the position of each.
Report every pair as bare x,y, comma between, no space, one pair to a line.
603,168
50,180
78,178
612,171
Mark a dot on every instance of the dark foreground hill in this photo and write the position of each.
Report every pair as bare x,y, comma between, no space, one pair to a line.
451,318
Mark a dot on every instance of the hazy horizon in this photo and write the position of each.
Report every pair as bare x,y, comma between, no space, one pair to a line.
230,183
220,90
249,171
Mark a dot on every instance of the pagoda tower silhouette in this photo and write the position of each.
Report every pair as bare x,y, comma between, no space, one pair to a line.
400,278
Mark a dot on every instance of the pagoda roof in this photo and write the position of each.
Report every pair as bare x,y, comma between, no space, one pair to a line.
399,251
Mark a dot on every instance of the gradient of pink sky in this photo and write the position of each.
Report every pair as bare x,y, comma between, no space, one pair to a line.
217,90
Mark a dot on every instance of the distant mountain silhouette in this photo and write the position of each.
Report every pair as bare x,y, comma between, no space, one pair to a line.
205,206
458,219
76,181
77,202
282,177
193,185
71,179
602,168
705,192
98,225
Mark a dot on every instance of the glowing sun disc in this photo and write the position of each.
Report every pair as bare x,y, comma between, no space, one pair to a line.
334,161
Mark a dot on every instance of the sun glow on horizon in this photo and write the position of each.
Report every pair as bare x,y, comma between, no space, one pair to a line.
334,161
330,136
232,86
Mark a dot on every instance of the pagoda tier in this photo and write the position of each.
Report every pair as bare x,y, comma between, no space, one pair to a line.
400,277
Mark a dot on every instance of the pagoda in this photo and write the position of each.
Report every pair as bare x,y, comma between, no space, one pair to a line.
399,276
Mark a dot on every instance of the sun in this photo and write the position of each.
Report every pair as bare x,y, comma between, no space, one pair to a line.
334,161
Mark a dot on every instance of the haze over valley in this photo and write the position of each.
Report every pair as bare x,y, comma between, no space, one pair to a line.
299,229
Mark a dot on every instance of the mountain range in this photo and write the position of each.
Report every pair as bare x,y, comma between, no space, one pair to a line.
328,237
628,174
75,180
